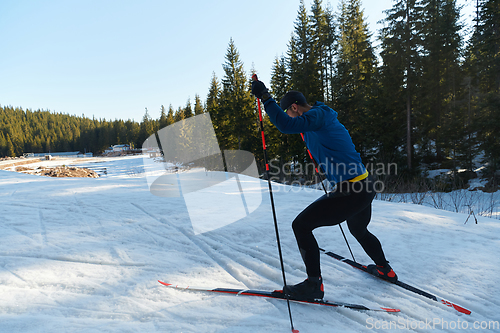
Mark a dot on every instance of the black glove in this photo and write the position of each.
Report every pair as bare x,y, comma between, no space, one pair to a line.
260,91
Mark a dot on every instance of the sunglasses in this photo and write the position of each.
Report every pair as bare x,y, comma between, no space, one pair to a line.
290,107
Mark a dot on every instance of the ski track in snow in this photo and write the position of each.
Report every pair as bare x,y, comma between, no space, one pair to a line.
218,252
43,231
84,255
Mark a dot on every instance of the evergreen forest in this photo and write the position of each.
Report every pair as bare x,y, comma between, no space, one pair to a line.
427,94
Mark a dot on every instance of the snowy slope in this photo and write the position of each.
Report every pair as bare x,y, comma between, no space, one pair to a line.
84,255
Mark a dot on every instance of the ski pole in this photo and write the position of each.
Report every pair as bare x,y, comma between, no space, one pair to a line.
316,167
254,78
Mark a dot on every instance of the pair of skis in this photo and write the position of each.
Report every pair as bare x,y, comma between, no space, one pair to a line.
278,294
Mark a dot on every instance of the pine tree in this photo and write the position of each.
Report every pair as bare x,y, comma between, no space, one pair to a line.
170,116
9,150
441,74
119,129
214,109
188,110
323,48
133,129
400,75
213,104
355,82
163,118
483,64
280,79
303,60
146,128
179,115
198,106
3,142
237,104
281,147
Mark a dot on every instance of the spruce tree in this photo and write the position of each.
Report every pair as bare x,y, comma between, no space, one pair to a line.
401,40
237,104
188,110
9,149
354,83
323,48
441,75
3,142
280,79
284,148
483,66
198,106
170,116
146,128
179,115
217,115
163,118
120,131
303,62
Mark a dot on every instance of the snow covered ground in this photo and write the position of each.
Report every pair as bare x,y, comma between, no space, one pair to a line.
84,255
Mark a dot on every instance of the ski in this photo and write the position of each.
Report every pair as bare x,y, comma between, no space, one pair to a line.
401,284
277,294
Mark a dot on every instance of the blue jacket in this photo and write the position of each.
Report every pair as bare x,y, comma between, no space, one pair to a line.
326,138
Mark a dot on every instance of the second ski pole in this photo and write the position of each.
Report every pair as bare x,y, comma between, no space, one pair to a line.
254,78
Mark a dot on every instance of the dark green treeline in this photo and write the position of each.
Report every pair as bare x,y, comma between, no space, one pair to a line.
428,92
27,131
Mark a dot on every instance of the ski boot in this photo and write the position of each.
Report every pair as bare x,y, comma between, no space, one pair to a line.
384,272
310,289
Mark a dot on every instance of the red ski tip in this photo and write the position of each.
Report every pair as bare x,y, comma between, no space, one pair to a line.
461,309
456,307
254,77
391,310
295,331
164,283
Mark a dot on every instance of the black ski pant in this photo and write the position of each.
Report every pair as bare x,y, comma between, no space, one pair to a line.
351,202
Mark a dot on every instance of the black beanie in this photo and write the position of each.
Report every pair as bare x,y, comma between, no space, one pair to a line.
292,97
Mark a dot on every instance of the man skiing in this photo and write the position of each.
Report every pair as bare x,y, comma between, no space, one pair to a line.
332,148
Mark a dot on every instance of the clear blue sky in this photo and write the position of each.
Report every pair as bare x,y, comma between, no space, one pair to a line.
114,58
